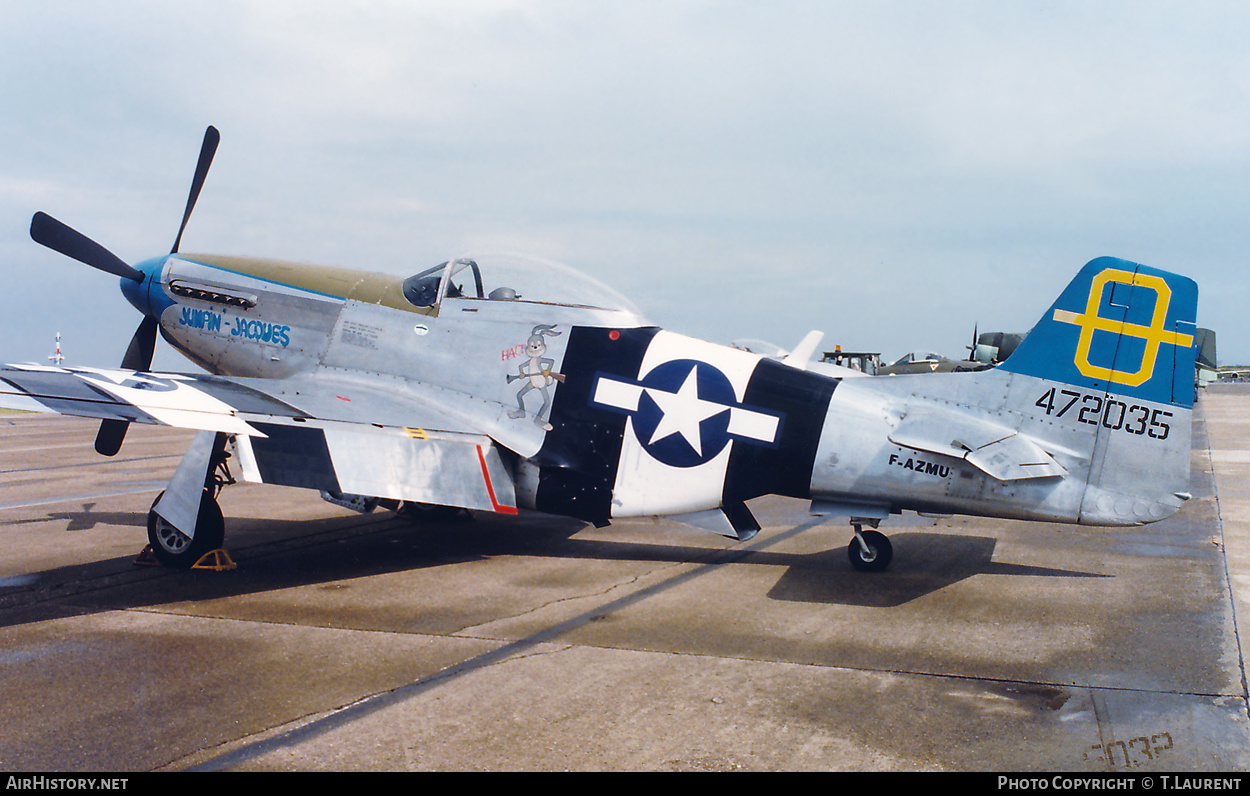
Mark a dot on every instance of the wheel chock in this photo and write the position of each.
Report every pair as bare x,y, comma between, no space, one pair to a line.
217,560
147,558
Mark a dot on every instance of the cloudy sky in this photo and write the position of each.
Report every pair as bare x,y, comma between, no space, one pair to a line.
892,173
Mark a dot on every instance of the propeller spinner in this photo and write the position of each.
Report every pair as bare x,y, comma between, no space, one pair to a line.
47,231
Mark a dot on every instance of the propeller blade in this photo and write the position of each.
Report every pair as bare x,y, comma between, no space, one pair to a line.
108,441
47,231
207,150
142,346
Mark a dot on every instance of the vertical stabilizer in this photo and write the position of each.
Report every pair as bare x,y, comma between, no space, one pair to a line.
1115,353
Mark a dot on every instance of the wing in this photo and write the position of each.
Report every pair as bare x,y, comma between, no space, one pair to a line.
391,438
172,400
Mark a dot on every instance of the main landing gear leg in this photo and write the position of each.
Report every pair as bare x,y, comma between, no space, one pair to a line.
185,520
869,551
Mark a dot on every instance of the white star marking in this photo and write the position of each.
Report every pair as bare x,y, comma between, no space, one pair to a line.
683,411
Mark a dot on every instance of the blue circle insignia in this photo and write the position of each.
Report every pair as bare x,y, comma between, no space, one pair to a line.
683,415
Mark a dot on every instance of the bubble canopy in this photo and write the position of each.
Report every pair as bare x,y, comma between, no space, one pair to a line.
511,278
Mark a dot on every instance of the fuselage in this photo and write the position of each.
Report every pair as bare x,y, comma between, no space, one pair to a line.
606,416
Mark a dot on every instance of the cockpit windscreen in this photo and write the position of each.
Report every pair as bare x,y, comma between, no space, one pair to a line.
511,278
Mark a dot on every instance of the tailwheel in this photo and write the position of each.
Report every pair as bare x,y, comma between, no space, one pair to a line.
175,549
870,551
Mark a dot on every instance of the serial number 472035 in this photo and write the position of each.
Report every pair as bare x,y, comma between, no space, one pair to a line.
1106,411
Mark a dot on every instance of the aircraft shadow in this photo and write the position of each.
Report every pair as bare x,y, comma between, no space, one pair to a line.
330,550
321,551
87,519
923,563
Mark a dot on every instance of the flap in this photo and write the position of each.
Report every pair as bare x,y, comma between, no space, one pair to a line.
414,465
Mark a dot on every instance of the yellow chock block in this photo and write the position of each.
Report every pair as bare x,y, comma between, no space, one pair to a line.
217,560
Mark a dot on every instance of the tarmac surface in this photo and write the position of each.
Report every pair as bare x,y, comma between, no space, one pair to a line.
369,642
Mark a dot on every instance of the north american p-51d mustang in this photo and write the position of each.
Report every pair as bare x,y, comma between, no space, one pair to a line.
474,386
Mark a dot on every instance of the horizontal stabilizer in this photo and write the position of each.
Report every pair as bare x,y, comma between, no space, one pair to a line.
997,451
1014,458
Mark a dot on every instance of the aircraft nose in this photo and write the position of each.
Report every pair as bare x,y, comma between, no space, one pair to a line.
139,293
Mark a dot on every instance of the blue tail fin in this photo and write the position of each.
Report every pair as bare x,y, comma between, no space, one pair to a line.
1119,327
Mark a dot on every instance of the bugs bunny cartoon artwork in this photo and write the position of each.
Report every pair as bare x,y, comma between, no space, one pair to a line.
535,374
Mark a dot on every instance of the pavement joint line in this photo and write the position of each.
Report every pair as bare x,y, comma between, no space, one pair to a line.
1228,577
131,460
371,704
145,486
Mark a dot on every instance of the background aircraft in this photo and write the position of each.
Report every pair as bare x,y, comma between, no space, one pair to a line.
987,350
1207,369
927,362
492,388
993,348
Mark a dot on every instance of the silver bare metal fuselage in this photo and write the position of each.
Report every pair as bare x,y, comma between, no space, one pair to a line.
1110,475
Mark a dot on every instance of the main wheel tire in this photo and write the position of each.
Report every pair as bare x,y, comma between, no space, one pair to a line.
879,554
175,549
